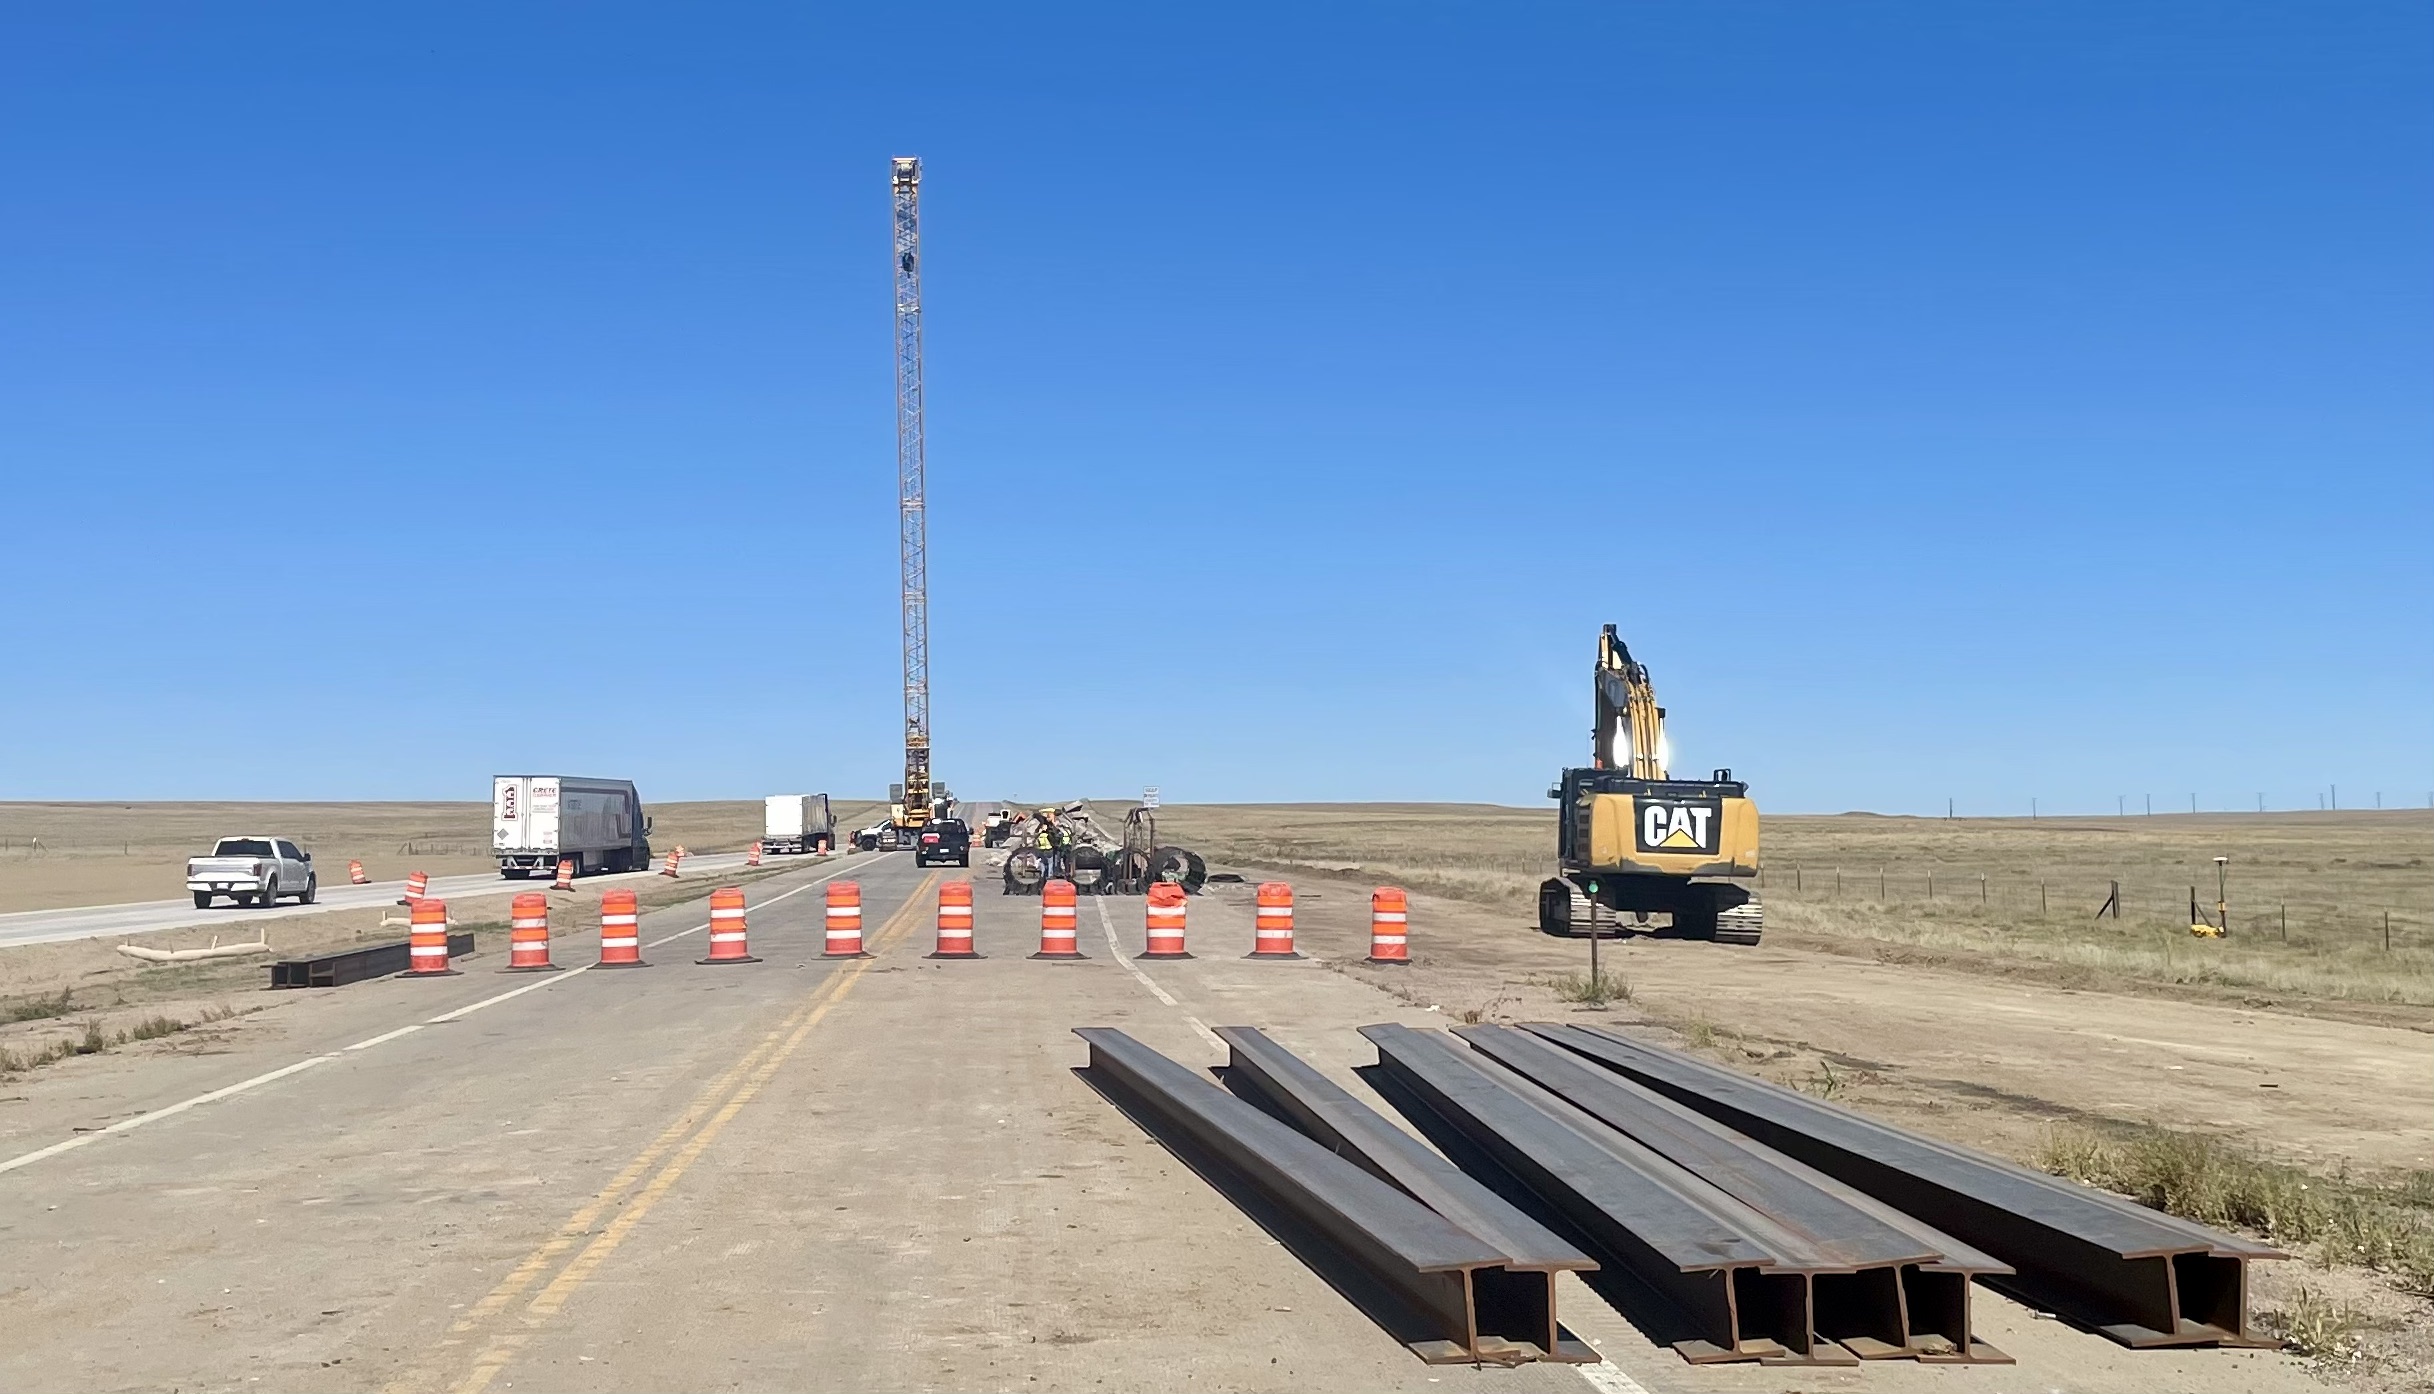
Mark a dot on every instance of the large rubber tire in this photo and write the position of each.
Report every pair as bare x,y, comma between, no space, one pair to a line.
270,894
202,900
312,889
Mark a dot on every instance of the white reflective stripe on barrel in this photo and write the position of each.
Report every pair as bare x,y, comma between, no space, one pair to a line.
1275,934
1386,938
626,943
1387,916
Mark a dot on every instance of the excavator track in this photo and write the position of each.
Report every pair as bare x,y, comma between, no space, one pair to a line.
1563,909
1742,924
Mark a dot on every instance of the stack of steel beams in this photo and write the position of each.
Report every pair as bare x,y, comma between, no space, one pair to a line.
2140,1277
1883,1285
1733,1218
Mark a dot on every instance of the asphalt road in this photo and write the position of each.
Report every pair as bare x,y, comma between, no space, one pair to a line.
143,917
800,1173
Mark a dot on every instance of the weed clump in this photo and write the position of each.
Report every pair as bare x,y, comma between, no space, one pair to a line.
1592,990
94,1040
2314,1325
38,1008
2217,1183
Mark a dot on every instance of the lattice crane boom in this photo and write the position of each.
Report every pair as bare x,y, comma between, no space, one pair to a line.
911,487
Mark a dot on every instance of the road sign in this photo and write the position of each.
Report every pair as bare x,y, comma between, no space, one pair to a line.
1149,796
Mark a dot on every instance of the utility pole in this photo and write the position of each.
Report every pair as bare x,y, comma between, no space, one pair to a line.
912,514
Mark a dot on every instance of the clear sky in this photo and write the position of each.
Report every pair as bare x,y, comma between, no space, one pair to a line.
1979,401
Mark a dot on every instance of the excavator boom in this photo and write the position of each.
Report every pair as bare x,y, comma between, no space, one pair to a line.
1630,734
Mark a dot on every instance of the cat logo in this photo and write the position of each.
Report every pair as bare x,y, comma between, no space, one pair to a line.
1685,825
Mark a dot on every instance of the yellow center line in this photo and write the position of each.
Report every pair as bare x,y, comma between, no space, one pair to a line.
552,1298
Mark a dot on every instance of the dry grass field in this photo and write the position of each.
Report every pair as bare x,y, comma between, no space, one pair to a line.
60,854
2308,892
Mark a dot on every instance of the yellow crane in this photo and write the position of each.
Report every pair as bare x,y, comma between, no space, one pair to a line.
1636,841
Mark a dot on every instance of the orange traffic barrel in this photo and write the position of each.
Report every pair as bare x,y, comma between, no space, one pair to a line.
427,939
418,885
566,875
727,932
753,857
1060,922
1165,916
1272,925
356,875
528,935
620,930
844,920
955,921
1389,926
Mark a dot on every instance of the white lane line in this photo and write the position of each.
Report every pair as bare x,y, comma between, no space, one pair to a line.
213,1096
1133,968
1607,1378
139,1120
807,885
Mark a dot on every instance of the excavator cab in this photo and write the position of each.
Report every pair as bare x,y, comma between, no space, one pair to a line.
1635,841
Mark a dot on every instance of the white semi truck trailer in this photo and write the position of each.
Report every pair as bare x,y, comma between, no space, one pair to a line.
598,824
797,823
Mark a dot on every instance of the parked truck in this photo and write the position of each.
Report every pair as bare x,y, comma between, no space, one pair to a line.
797,823
537,819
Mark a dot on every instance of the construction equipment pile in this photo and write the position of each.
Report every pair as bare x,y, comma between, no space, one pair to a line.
1067,844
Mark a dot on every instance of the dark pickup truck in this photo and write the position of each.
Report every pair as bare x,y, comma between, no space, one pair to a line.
946,840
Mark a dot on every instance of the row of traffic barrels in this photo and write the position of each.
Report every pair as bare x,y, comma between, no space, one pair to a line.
1164,927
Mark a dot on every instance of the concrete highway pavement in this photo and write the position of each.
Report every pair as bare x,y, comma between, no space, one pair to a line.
144,917
800,1173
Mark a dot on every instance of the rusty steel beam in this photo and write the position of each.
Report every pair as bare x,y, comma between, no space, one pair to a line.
1412,1270
1905,1291
2136,1275
1735,1285
1522,1291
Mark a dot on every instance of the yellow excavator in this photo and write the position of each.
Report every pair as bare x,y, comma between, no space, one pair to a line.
1634,842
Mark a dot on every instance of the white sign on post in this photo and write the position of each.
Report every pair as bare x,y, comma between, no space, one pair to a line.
1149,796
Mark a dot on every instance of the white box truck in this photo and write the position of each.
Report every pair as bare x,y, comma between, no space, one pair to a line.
598,824
797,823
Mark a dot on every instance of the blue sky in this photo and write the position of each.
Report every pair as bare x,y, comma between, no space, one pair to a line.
1971,401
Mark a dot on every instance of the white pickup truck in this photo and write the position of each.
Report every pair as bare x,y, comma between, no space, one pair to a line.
252,871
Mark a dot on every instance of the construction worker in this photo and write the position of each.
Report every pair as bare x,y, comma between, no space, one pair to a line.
1052,843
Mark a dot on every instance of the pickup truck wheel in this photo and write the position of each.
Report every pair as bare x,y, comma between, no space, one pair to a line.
312,888
270,894
202,900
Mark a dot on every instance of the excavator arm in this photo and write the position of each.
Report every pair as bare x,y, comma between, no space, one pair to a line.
1630,734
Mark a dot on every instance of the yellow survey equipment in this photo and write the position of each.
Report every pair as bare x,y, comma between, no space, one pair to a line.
1639,843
